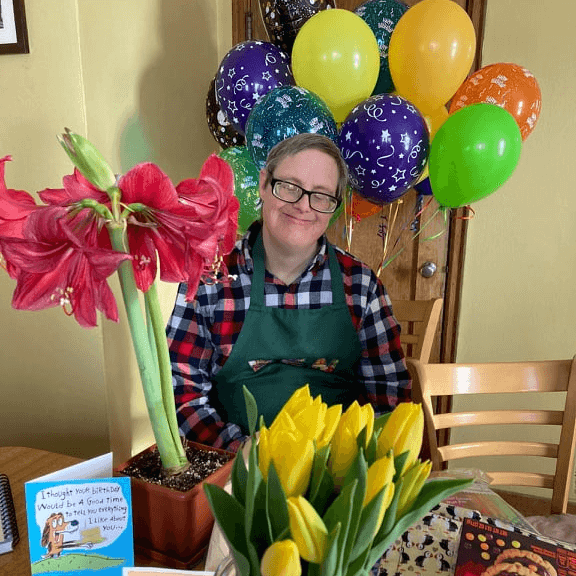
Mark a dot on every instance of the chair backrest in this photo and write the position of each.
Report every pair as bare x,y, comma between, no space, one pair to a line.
527,379
419,320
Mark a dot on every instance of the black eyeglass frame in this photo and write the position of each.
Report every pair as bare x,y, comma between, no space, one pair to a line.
275,181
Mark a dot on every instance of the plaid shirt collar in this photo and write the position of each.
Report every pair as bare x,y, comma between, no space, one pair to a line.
245,245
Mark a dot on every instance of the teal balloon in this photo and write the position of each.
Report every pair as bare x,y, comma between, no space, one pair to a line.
284,112
246,180
382,16
473,153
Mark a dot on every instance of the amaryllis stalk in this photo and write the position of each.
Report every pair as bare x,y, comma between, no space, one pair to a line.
62,252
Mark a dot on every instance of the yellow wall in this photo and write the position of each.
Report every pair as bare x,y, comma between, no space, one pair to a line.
132,75
518,295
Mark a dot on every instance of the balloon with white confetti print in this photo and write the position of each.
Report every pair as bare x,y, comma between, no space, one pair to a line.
285,112
220,128
248,72
382,16
385,143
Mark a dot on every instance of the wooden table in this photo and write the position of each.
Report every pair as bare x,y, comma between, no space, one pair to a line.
24,464
21,465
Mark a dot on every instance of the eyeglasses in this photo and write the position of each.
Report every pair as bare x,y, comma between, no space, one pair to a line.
289,192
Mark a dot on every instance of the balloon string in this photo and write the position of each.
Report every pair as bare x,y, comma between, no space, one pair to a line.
411,219
391,224
467,217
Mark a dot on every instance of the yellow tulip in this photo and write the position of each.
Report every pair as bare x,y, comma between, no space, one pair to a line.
310,419
299,399
403,432
331,420
380,474
344,443
308,530
281,559
292,454
413,480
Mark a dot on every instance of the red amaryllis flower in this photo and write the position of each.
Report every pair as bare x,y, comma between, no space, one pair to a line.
15,207
183,231
54,268
76,188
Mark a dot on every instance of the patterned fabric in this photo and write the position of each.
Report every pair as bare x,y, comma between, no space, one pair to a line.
201,335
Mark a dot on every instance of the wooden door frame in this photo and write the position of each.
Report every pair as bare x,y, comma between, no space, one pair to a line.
243,13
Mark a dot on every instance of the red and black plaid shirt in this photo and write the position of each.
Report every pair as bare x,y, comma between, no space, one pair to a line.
201,335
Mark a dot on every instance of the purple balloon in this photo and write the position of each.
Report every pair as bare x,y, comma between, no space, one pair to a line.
385,143
246,74
424,187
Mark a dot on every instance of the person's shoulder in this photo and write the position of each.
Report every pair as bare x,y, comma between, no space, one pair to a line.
351,263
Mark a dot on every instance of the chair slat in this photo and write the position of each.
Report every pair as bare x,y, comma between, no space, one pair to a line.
537,417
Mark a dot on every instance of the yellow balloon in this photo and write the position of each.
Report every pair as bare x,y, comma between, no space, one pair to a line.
430,53
336,56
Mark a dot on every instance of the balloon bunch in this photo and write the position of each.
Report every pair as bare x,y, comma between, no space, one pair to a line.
388,83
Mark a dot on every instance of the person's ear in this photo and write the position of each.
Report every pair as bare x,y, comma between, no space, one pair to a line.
263,176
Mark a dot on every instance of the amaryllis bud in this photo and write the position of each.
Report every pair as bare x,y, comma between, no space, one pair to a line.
88,160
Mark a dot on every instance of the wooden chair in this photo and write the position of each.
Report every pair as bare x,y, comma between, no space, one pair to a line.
527,380
419,320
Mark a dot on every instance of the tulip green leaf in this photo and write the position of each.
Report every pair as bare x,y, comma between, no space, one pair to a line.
260,531
321,483
330,563
380,422
356,567
239,478
251,410
276,507
368,525
358,473
230,516
340,511
399,462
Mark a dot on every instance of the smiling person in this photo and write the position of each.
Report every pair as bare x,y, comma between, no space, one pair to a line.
297,310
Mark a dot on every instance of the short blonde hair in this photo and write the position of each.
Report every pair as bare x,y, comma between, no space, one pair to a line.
307,141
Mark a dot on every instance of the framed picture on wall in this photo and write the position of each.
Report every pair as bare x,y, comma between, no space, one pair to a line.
13,31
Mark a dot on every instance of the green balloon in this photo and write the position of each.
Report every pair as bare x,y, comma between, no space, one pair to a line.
246,179
473,153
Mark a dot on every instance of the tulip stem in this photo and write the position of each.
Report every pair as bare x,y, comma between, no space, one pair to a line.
171,451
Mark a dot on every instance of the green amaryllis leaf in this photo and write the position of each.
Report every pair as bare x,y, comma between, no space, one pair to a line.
340,511
251,410
239,477
330,564
433,492
229,514
276,507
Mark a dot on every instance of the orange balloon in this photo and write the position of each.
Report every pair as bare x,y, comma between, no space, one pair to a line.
430,52
360,207
509,86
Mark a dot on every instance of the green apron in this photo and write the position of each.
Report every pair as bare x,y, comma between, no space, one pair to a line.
280,350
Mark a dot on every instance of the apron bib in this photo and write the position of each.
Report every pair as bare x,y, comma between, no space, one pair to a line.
280,350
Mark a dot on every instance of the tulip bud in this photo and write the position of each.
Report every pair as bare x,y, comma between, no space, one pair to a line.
88,160
331,420
344,442
299,399
412,483
308,530
281,559
380,474
403,432
292,454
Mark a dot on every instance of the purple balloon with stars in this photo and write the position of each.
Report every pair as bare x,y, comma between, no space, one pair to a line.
385,143
246,74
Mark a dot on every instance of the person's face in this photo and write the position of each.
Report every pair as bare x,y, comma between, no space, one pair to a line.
297,225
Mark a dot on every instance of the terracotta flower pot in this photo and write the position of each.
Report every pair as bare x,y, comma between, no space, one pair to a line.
173,527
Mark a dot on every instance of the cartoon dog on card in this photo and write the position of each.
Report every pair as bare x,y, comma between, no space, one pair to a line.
59,534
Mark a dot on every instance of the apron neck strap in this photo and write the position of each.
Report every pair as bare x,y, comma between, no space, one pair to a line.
258,258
